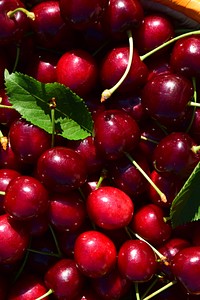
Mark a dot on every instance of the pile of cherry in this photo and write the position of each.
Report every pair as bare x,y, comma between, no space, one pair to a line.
89,219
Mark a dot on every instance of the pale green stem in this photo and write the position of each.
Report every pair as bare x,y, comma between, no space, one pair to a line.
195,32
29,14
108,92
168,285
160,193
49,292
137,294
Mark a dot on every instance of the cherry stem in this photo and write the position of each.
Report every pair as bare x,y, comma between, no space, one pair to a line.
29,14
195,101
149,288
101,178
160,255
143,57
108,92
49,292
168,285
5,106
55,241
44,253
148,139
195,149
160,193
16,58
192,103
137,294
2,193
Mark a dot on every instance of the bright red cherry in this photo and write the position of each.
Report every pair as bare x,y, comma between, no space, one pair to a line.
109,207
94,253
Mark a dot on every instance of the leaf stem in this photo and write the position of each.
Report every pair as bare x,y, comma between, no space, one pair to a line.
143,57
108,92
160,193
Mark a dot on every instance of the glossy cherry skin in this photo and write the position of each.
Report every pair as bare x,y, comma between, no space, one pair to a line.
50,30
6,175
155,30
87,13
14,240
94,253
114,65
186,267
27,287
184,56
67,212
12,28
42,67
28,141
115,132
109,207
121,16
112,286
64,279
61,169
137,261
25,198
174,155
194,131
82,76
166,96
148,222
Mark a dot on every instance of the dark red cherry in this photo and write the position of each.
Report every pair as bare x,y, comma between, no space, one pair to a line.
27,287
174,155
121,16
109,207
195,126
137,261
13,27
77,70
111,286
64,278
7,115
42,67
67,212
25,198
14,240
127,177
115,132
28,141
6,175
114,65
61,169
186,267
94,253
185,56
88,12
155,30
166,96
148,222
49,28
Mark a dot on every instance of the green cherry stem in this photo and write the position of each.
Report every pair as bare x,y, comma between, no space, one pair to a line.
195,101
55,241
107,93
195,32
149,288
168,285
48,293
160,255
2,193
160,193
29,14
148,139
43,253
137,294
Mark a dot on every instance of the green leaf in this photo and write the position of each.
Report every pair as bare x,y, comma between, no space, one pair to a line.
186,205
31,99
